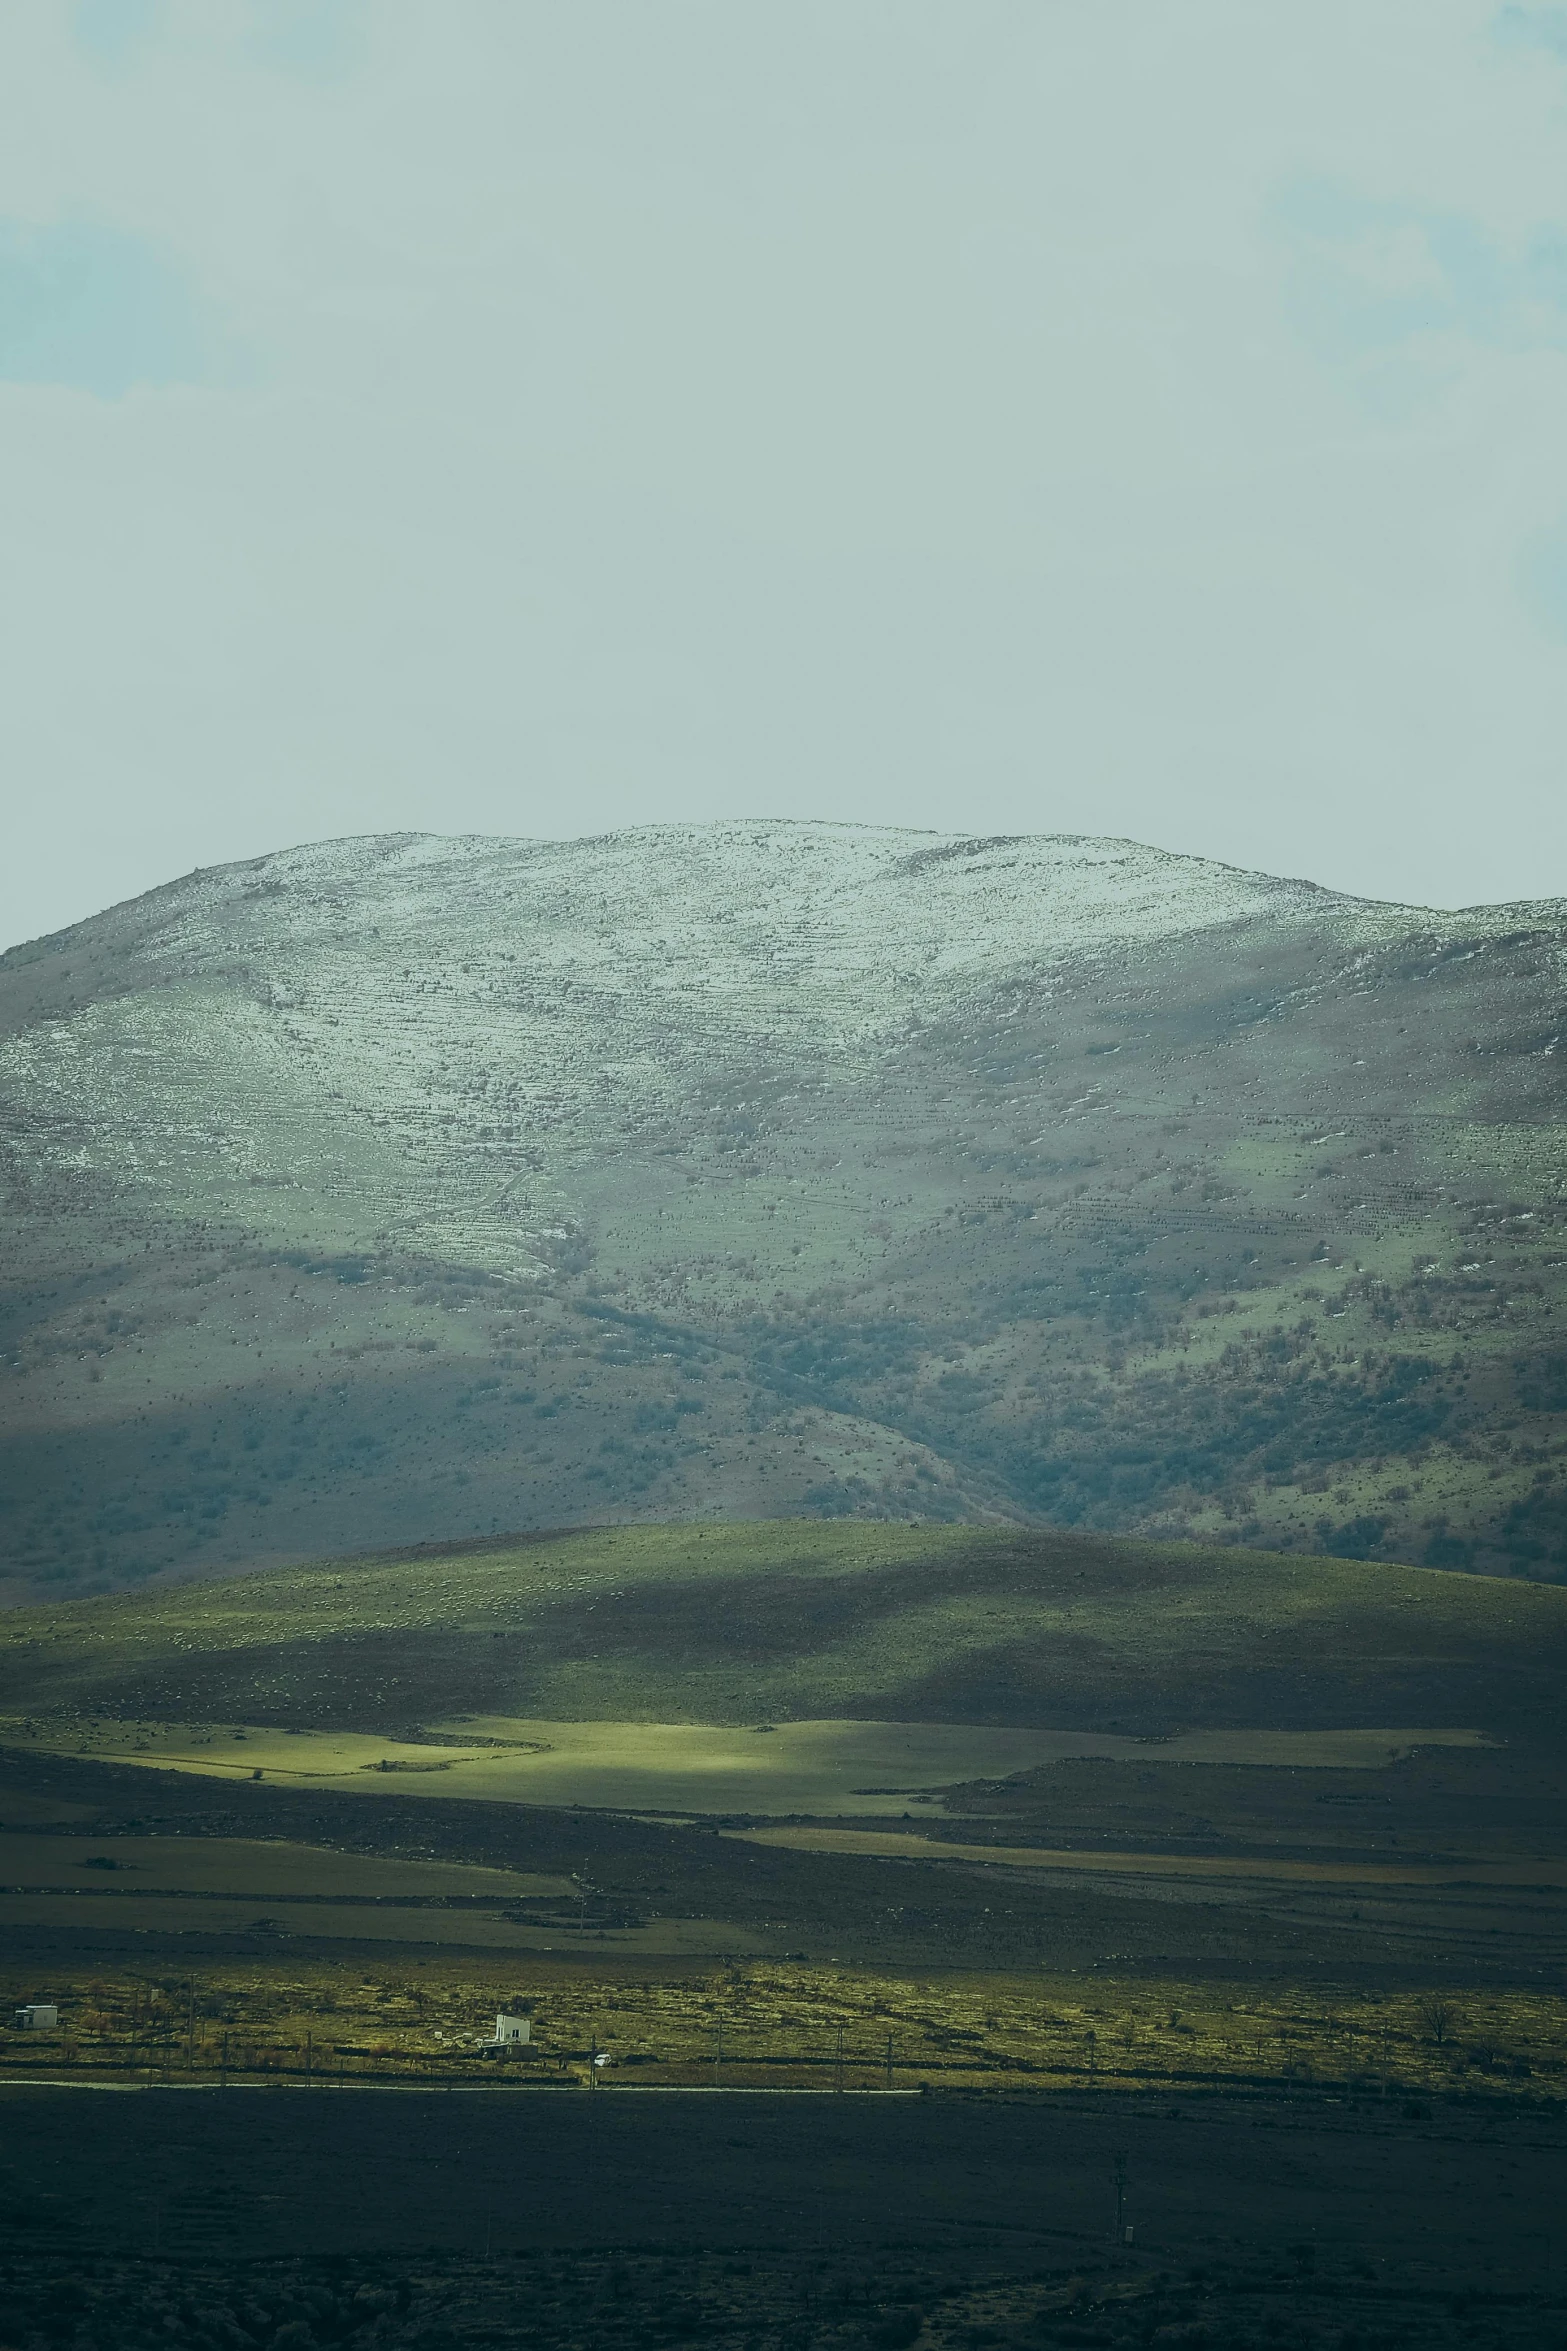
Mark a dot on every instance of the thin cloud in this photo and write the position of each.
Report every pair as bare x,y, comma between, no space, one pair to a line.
1532,28
89,306
316,39
114,29
1367,276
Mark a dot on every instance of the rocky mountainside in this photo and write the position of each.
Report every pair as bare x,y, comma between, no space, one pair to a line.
409,1188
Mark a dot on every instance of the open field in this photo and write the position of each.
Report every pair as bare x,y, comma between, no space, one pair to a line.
75,1918
216,1866
815,1768
1380,2171
171,1886
1449,1862
898,1845
1304,1981
215,1886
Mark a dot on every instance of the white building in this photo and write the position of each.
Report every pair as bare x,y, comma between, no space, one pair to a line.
511,2031
40,2017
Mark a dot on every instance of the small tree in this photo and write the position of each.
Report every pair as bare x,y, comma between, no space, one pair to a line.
1439,2018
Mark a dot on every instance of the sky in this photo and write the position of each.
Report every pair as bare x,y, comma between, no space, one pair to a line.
1144,417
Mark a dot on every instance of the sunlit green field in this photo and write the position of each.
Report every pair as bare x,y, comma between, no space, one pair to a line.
832,1769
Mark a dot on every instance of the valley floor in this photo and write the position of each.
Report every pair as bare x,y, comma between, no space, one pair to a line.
1288,1966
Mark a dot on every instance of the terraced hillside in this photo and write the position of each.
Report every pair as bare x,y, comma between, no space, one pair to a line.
407,1189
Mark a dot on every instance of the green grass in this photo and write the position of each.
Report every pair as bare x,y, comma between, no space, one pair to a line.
254,1866
789,1769
805,1621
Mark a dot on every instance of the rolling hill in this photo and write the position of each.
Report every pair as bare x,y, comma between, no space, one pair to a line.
798,1622
406,1188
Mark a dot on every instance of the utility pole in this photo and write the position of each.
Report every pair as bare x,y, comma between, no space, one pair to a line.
889,2061
310,2058
1119,2160
719,2059
838,2065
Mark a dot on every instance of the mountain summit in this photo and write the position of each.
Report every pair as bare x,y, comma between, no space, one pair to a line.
410,1188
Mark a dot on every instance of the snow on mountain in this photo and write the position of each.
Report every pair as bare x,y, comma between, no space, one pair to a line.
341,1015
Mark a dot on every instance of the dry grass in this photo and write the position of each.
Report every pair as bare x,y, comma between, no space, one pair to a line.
766,2024
237,1886
253,1866
899,1845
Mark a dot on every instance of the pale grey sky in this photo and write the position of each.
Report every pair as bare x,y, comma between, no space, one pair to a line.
1132,416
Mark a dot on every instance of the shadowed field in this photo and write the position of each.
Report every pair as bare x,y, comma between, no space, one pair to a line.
848,2224
843,2222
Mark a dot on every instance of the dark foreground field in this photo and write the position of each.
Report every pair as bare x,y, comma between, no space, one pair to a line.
387,2217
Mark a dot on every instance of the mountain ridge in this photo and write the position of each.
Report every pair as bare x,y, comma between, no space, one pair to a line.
926,846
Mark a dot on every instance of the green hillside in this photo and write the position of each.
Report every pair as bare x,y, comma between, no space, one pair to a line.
804,1621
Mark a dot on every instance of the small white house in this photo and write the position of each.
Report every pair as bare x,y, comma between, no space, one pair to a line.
41,2016
511,2031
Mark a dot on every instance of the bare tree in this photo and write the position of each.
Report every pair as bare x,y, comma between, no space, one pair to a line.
1438,2017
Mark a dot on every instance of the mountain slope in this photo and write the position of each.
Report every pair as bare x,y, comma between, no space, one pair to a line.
409,1188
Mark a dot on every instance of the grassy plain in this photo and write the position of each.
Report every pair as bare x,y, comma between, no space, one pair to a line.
832,1769
899,1845
217,1866
214,1887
